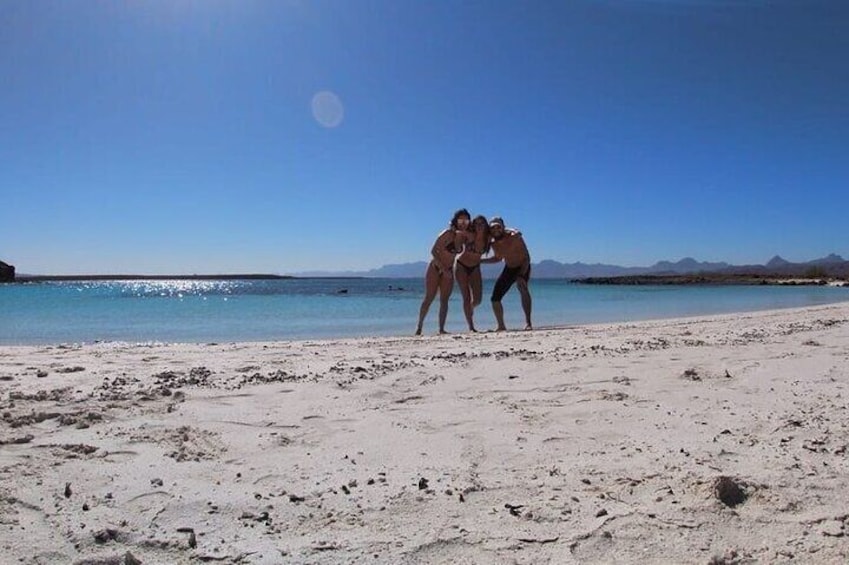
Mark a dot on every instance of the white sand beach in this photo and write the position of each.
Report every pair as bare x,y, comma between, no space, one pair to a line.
704,440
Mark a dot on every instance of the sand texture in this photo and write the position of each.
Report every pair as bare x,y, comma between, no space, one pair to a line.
712,440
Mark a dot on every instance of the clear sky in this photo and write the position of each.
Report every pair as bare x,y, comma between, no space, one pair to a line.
278,136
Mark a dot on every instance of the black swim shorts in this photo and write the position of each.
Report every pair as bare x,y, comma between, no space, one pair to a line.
507,278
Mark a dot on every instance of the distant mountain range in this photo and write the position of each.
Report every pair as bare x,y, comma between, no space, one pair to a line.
831,265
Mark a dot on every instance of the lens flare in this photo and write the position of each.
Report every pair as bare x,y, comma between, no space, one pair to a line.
327,109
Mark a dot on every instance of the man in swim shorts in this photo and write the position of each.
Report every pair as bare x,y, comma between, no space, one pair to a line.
509,246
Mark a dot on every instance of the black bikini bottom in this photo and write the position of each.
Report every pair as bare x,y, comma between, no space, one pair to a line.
469,270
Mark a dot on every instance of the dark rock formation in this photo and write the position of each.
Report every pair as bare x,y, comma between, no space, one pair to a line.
7,272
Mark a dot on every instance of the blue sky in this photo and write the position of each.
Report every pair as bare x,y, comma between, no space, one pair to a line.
222,136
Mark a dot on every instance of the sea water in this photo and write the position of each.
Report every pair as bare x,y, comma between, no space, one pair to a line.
287,309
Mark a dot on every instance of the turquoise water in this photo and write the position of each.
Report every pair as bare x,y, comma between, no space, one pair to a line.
219,311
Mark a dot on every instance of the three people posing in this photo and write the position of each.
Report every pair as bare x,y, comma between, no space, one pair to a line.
464,245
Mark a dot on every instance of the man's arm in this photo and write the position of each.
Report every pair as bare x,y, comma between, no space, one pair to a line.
496,257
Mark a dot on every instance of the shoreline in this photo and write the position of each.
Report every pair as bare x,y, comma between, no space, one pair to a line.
650,441
453,333
456,335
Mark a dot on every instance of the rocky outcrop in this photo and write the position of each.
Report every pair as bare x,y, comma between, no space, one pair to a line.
7,272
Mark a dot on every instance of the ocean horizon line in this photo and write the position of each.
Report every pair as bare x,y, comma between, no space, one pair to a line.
710,279
142,277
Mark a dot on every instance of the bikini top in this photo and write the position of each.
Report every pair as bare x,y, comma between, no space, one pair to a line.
473,247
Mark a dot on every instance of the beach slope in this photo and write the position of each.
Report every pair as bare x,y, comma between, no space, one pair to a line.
706,440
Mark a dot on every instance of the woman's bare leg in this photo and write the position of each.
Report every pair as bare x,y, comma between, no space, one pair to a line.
446,285
476,286
463,282
431,288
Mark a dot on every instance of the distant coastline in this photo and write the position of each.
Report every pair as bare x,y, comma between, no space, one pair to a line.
832,268
710,279
630,280
707,279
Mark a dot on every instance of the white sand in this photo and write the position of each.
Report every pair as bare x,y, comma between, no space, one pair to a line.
593,444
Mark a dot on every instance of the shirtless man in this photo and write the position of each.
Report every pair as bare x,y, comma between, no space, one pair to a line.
509,246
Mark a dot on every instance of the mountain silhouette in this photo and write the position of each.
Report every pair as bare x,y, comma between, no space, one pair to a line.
832,264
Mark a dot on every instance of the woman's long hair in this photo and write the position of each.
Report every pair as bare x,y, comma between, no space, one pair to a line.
481,221
457,214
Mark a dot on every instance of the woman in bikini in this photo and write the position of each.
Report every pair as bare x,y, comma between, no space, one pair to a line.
468,267
439,276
